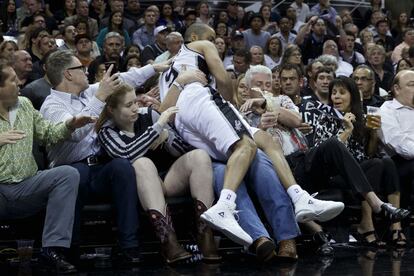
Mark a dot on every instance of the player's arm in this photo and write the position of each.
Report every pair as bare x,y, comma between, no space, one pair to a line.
183,78
216,68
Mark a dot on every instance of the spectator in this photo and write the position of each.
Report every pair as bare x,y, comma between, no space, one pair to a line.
296,24
203,12
39,89
311,70
273,52
325,11
96,71
23,66
35,8
257,55
145,35
376,6
311,38
302,10
285,35
112,49
382,38
46,44
131,61
82,12
29,190
8,18
173,42
322,78
233,14
185,171
98,176
329,61
400,26
360,139
83,45
131,50
69,9
344,68
189,18
82,28
236,44
241,62
179,7
376,58
118,6
222,31
408,41
69,33
254,36
97,10
168,18
152,51
292,55
7,49
403,64
221,47
133,12
364,78
269,26
32,37
115,25
349,54
397,131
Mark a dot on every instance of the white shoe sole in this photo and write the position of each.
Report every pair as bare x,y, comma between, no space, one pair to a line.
210,222
328,214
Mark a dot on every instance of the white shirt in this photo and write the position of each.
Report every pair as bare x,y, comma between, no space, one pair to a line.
301,12
61,106
344,68
285,42
397,129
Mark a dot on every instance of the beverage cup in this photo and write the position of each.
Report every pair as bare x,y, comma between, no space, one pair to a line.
25,250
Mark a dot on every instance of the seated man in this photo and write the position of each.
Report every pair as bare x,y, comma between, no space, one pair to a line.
24,191
99,177
397,130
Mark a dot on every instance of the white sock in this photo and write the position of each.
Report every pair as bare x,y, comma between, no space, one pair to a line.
227,195
295,192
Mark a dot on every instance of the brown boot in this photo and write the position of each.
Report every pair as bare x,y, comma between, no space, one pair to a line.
264,249
287,250
171,250
205,238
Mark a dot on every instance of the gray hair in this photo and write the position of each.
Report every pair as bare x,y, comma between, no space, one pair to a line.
114,34
56,65
328,59
256,69
174,35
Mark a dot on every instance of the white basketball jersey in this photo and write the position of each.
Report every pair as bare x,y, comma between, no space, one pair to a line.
186,59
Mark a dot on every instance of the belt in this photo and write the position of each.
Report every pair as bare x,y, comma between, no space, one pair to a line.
94,160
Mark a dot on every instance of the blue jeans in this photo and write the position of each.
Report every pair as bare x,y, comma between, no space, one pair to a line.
116,180
262,179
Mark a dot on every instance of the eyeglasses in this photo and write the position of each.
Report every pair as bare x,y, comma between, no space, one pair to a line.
361,79
83,68
297,55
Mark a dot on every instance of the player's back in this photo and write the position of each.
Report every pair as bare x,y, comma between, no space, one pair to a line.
186,59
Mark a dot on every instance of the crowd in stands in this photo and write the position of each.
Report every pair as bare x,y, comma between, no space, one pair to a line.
329,91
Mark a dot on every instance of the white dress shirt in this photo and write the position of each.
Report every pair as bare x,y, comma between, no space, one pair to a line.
397,129
61,106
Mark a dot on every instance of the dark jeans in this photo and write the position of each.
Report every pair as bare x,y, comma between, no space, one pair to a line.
116,180
313,169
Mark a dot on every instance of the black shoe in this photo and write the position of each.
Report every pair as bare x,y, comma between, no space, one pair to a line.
53,257
131,255
321,239
392,213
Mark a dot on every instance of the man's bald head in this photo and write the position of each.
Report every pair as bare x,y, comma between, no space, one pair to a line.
403,87
199,31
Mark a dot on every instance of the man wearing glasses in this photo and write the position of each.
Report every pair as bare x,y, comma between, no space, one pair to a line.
99,177
364,77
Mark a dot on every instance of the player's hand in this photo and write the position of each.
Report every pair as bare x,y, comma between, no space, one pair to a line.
252,103
190,76
160,140
162,66
154,93
80,121
167,115
269,119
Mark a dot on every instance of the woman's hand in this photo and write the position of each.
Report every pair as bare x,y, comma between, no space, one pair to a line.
269,119
348,120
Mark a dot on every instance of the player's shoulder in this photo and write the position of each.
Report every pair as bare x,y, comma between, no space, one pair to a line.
200,45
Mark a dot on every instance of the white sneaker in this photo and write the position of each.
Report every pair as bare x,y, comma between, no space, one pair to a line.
221,217
308,208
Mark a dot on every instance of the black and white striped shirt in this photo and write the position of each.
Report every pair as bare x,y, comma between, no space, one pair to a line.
119,144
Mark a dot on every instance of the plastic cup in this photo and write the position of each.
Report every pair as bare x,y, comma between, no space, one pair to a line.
25,250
